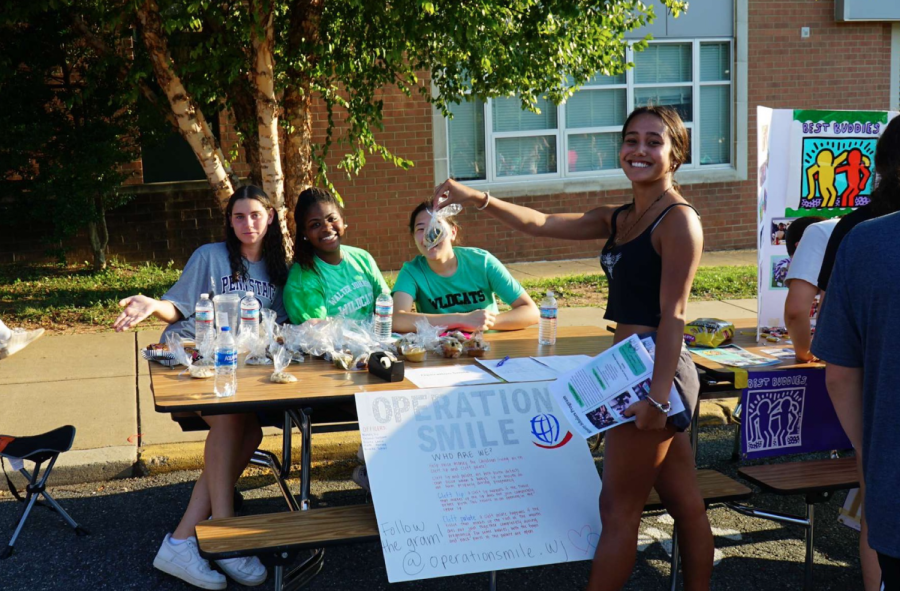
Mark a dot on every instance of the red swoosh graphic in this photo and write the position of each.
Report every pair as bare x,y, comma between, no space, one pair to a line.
564,441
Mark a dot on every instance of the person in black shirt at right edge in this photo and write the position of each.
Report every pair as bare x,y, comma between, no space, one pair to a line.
885,199
652,251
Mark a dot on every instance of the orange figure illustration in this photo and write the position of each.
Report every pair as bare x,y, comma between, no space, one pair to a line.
823,171
857,171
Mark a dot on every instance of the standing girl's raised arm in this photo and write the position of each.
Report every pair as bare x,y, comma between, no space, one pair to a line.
591,225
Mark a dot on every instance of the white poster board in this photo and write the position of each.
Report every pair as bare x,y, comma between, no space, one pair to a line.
810,163
475,479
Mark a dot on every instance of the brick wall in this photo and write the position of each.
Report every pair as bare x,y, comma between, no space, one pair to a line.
841,66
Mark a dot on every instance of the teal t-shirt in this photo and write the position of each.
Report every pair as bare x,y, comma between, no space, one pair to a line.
478,277
348,289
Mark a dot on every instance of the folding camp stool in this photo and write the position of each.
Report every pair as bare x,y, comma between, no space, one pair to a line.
37,449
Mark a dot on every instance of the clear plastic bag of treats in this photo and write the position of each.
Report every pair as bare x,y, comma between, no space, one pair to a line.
282,358
415,346
184,356
438,230
476,346
292,341
451,347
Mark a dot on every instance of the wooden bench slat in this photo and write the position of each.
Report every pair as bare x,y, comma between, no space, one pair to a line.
276,532
714,486
316,528
812,476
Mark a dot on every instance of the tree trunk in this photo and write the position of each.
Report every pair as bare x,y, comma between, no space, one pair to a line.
298,151
99,236
243,107
266,103
298,156
267,113
191,123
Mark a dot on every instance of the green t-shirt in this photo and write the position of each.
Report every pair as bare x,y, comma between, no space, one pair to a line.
348,289
478,277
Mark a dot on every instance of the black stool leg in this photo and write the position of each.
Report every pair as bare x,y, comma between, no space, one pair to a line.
36,488
30,499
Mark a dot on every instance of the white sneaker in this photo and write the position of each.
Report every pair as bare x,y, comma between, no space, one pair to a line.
184,561
361,477
246,570
20,339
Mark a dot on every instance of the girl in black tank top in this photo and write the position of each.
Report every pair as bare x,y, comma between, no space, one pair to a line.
634,274
652,250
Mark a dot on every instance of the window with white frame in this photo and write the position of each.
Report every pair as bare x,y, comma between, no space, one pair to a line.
499,142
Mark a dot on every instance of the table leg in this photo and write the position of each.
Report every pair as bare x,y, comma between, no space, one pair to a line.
300,418
304,572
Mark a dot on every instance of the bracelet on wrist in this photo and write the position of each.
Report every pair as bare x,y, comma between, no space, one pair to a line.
487,200
663,407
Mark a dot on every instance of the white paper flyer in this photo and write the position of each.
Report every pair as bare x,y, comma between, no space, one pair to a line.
595,396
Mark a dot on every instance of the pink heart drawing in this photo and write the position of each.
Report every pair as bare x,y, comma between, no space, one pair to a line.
581,540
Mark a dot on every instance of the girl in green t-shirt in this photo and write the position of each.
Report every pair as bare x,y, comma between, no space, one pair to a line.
455,286
328,278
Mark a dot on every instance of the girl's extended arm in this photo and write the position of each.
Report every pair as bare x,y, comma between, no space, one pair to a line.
591,225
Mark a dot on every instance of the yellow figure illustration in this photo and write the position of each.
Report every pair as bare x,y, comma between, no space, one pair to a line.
823,171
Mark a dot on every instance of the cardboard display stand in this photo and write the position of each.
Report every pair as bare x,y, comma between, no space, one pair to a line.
810,162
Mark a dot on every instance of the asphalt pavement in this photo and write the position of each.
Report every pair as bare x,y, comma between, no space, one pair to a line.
128,518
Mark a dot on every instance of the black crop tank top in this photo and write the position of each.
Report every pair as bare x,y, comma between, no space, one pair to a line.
634,274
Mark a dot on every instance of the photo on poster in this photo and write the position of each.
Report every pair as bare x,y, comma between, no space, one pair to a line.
836,172
621,402
779,269
778,230
601,418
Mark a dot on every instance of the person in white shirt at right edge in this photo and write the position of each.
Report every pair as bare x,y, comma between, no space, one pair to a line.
806,240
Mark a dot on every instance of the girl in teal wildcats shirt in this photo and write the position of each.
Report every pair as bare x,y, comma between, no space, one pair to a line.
328,278
455,286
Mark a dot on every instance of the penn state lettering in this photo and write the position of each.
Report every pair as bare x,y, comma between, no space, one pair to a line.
458,299
262,289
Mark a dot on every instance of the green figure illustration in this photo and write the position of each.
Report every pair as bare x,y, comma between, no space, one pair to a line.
823,172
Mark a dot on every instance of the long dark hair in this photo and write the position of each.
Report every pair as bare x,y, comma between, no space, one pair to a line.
681,141
304,253
426,205
273,252
886,196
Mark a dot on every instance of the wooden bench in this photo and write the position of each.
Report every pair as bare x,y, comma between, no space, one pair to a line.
815,479
286,533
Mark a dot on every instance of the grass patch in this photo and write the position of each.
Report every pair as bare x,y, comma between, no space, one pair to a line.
710,283
66,298
75,299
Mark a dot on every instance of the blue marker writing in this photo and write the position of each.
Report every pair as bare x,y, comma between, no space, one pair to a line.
502,361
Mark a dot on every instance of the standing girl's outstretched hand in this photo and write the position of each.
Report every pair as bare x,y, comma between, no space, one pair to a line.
451,191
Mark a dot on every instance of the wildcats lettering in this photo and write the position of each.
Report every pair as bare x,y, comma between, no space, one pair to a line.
465,298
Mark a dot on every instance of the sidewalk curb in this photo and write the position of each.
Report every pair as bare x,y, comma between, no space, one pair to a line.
174,457
85,465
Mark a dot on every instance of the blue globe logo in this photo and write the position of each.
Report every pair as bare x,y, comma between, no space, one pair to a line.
545,428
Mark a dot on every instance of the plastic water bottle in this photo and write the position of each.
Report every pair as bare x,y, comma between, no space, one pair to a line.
250,314
547,330
226,364
204,314
384,314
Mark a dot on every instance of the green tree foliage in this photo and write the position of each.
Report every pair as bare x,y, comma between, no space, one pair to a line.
67,128
346,52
